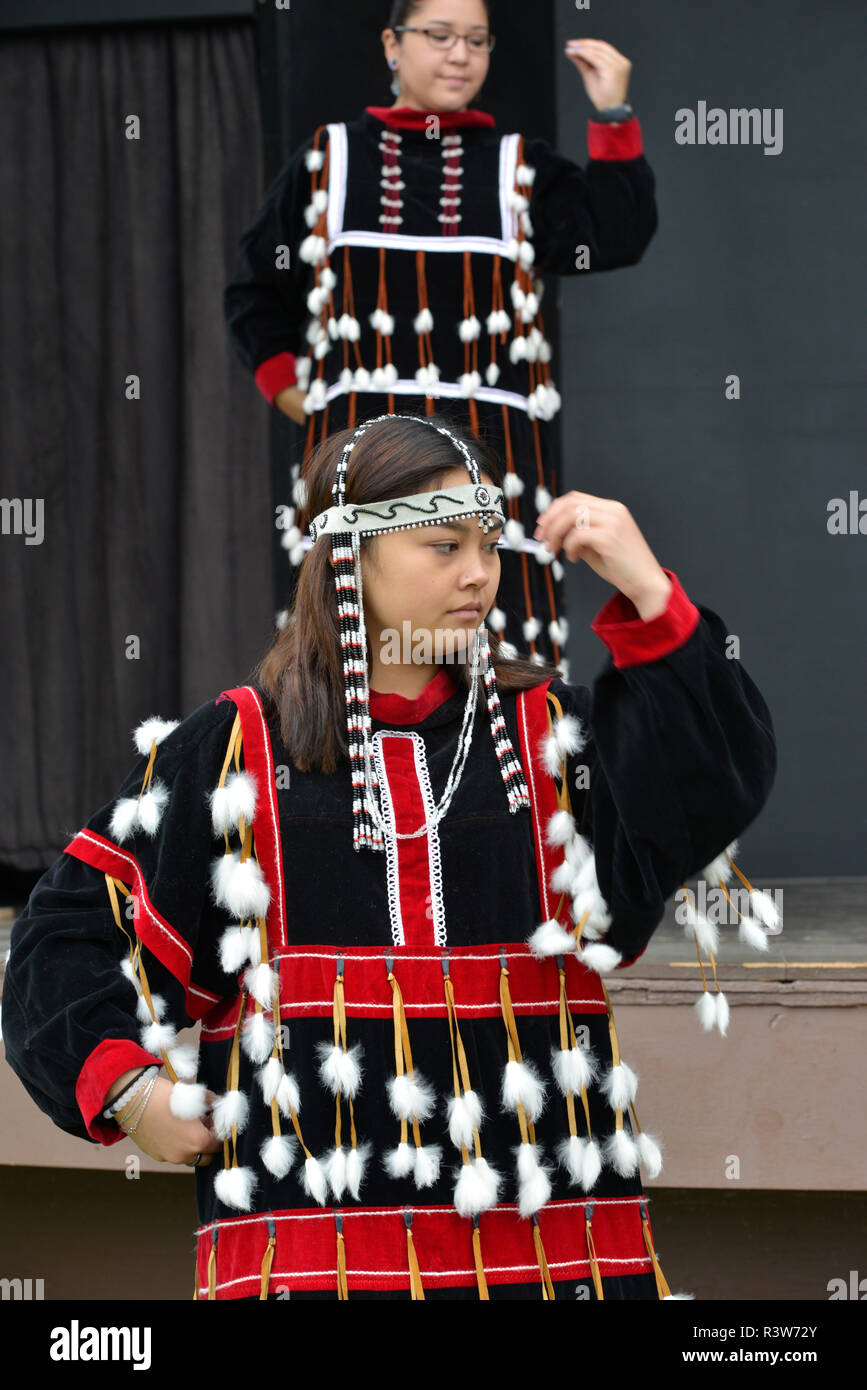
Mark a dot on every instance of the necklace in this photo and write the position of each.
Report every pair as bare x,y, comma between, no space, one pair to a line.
464,738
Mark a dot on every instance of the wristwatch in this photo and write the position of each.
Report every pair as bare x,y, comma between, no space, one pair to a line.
614,113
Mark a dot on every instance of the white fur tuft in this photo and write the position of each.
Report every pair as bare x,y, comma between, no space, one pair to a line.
620,1085
592,1165
522,1085
235,946
356,1162
621,1152
752,933
719,869
185,1060
706,931
124,818
574,1068
240,887
570,1152
534,1184
234,1187
156,1037
313,1180
150,731
560,828
233,801
650,1154
143,1010
151,805
477,1187
269,1079
706,1010
600,957
399,1162
722,1012
465,1115
411,1097
426,1168
764,908
334,1166
232,1109
257,1037
278,1154
188,1100
550,939
340,1071
262,982
288,1098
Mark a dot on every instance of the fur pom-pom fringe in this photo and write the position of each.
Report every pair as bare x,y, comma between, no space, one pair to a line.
411,1097
269,1079
426,1166
522,1085
151,731
188,1100
534,1184
621,1152
334,1166
240,887
752,933
598,956
233,801
278,1154
477,1187
230,1109
400,1161
560,828
722,1012
314,1181
356,1162
257,1037
235,1186
262,983
465,1115
339,1070
288,1098
706,931
570,1153
157,1037
719,869
620,1085
574,1068
551,939
706,1010
650,1154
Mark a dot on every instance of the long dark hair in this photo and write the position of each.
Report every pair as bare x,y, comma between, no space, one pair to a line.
301,673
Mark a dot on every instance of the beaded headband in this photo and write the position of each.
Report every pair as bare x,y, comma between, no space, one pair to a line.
345,524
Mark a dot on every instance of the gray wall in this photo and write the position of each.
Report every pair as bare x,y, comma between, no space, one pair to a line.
756,269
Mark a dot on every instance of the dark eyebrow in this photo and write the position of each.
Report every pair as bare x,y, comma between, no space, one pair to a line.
462,526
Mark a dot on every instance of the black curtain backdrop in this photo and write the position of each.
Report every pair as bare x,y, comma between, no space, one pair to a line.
158,521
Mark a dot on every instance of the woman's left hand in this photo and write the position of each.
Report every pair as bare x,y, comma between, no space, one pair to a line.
604,71
603,532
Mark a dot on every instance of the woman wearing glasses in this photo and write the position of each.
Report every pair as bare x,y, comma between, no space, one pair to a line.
395,266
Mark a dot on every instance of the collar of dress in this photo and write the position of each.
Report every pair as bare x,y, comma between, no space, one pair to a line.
397,709
408,118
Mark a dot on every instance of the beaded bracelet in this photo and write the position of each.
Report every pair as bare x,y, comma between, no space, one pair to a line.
129,1091
141,1108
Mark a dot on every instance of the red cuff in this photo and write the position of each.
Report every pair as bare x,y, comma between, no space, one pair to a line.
274,374
614,141
631,640
108,1060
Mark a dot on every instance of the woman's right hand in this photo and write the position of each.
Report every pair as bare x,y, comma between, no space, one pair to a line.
170,1140
291,401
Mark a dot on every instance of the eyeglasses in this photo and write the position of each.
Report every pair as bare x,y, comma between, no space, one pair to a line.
440,37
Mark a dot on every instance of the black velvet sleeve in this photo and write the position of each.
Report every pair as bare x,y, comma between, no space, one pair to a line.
265,306
681,757
64,992
609,207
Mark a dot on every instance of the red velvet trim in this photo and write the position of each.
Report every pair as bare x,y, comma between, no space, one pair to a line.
259,762
108,1060
274,374
614,141
305,1254
307,983
398,709
152,929
631,640
407,118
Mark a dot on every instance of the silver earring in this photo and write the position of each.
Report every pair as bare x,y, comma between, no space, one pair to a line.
395,83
